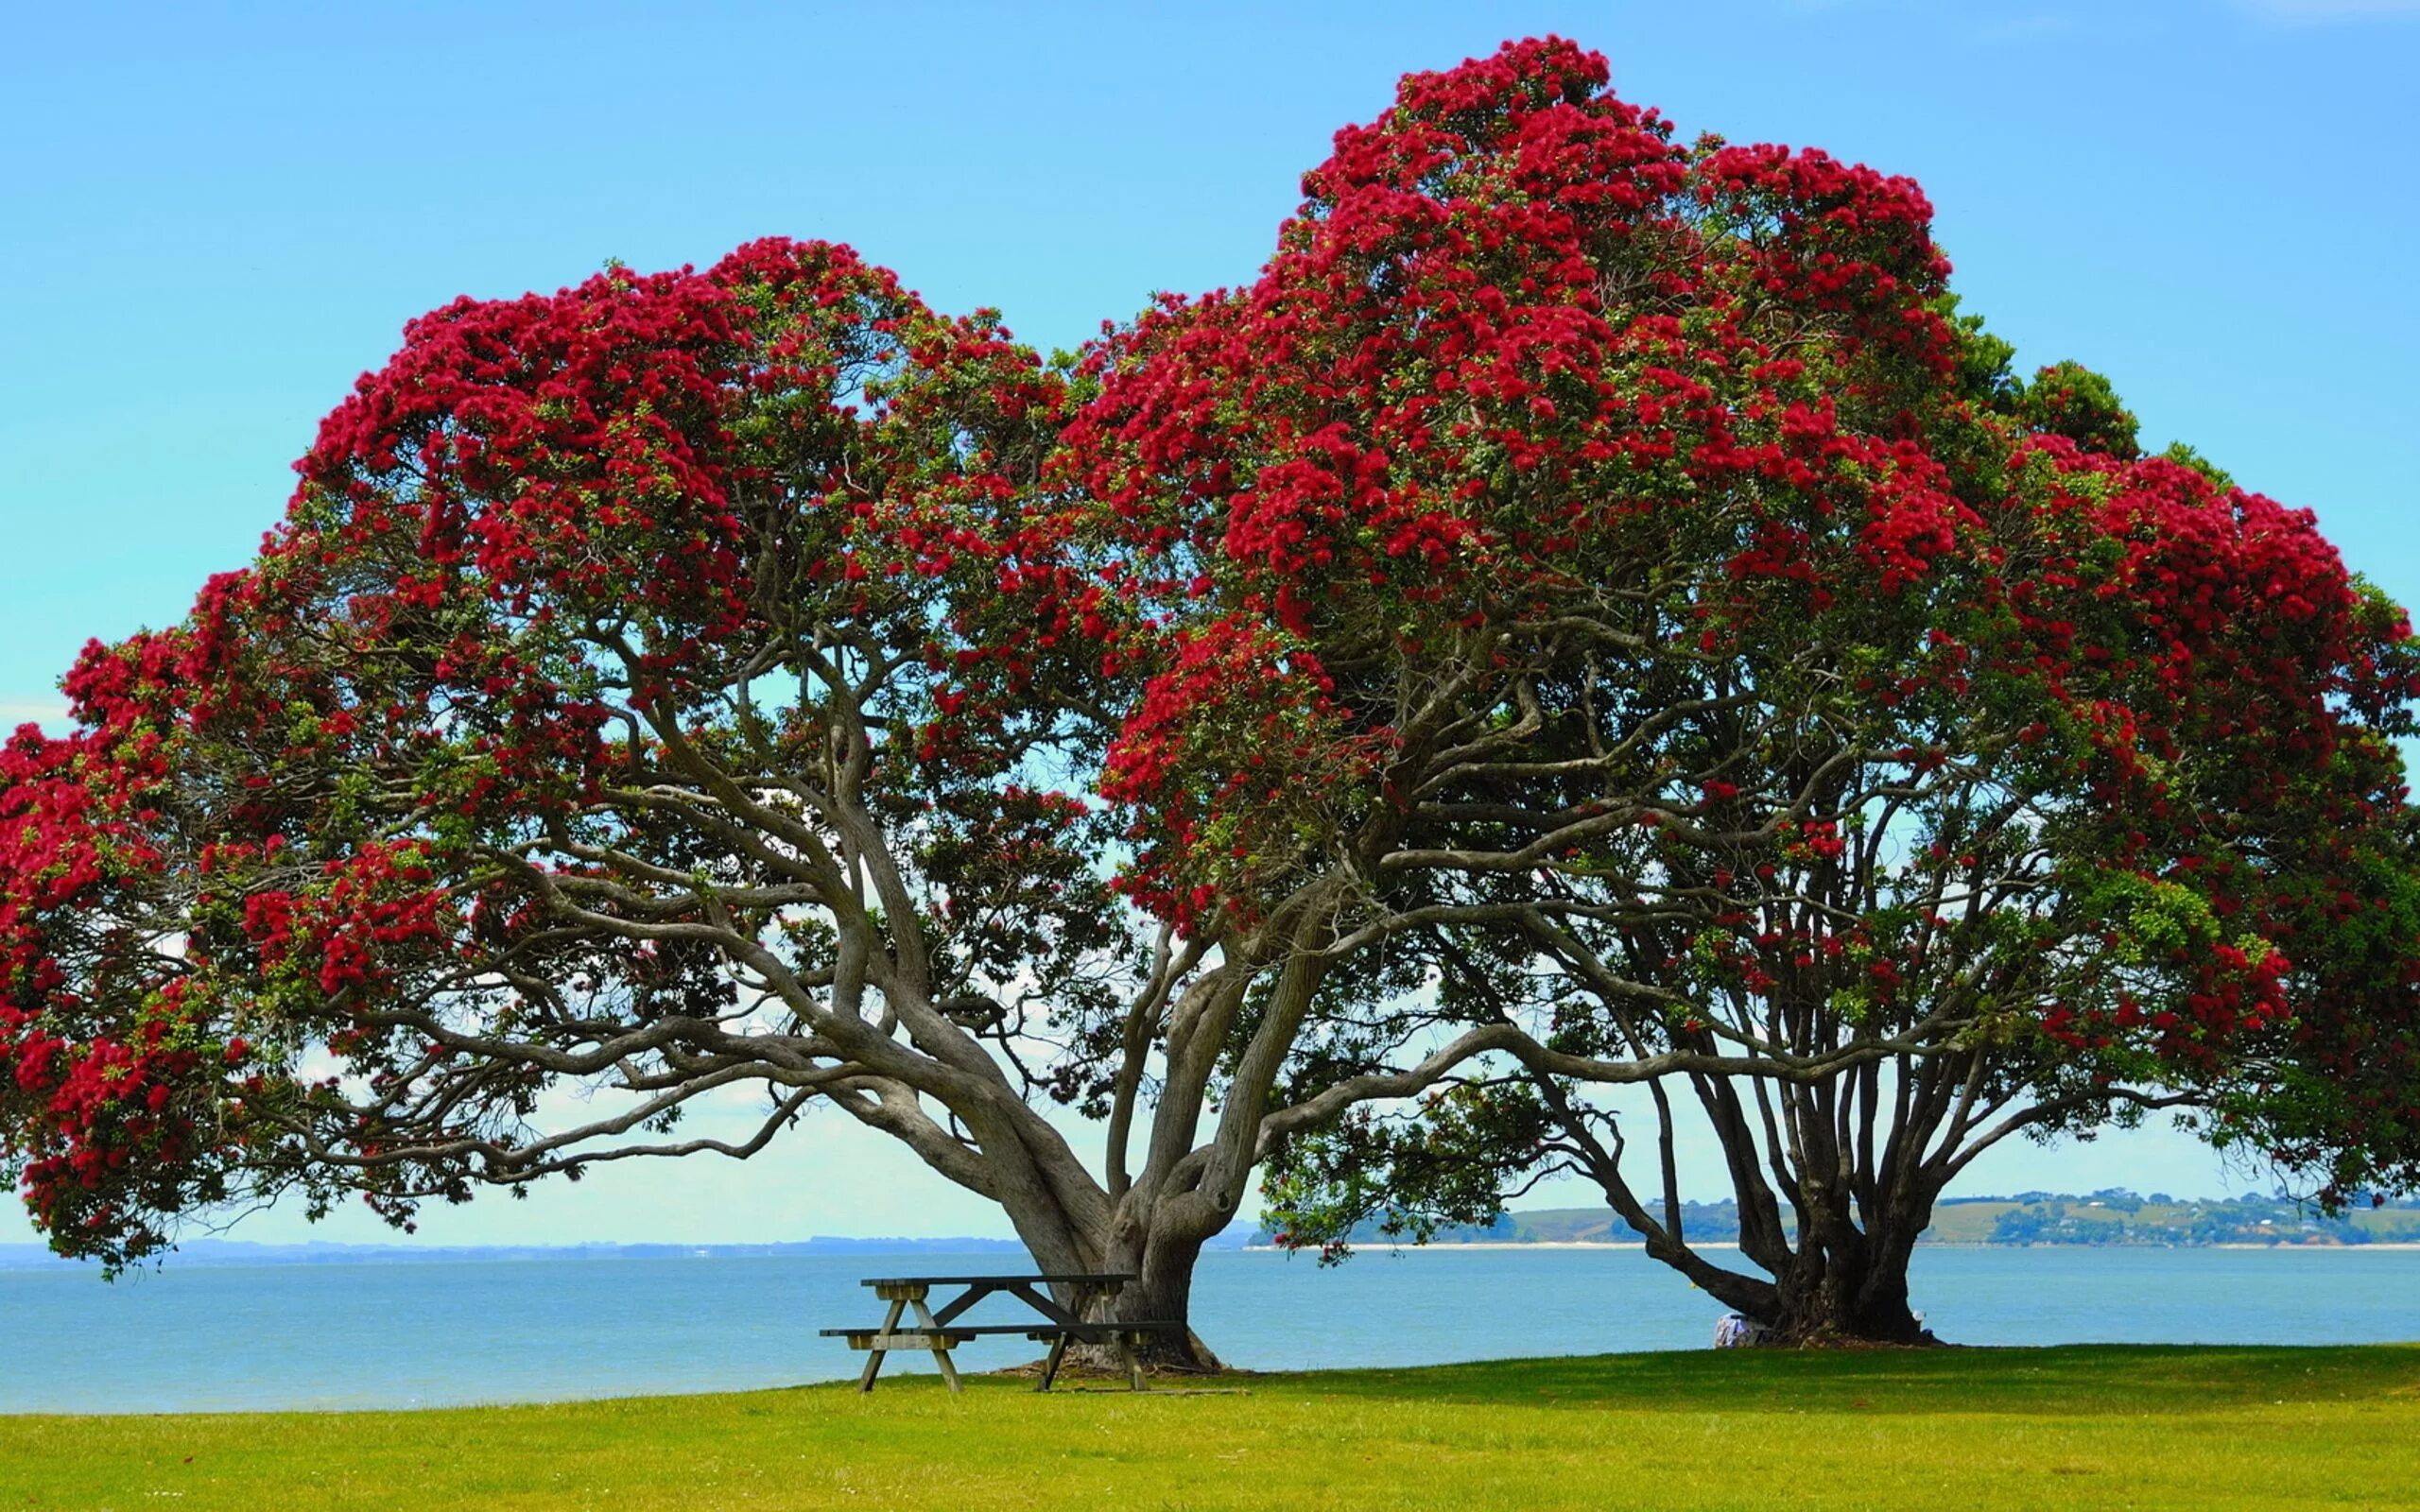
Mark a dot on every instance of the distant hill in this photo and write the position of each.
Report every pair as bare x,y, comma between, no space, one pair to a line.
2114,1216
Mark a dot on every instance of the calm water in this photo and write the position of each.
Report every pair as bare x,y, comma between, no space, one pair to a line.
394,1336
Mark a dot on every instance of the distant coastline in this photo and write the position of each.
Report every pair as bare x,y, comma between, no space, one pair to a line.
2113,1218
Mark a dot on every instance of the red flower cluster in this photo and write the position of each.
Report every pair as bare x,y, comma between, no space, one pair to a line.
1516,343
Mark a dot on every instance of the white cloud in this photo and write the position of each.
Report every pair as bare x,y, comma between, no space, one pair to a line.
15,712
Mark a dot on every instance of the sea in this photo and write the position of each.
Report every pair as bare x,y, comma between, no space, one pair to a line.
381,1335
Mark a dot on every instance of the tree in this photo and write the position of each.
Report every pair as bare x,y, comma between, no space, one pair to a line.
673,684
1721,676
642,687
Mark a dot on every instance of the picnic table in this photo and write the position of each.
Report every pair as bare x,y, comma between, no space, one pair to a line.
942,1332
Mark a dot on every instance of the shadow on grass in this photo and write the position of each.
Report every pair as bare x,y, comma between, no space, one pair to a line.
2129,1380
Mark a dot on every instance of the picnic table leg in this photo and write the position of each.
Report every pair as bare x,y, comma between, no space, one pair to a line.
1134,1365
1050,1366
941,1352
874,1357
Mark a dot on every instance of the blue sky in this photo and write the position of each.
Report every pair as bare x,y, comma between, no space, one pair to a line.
219,214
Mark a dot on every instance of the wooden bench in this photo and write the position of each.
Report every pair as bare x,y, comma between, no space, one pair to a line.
942,1332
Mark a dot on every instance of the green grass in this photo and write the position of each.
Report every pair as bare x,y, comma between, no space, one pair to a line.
1939,1430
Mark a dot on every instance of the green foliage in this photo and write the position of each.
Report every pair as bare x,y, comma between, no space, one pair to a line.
2069,399
2183,455
1986,371
1403,1180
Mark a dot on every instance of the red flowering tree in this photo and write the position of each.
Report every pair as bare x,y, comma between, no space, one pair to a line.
667,687
1611,577
640,692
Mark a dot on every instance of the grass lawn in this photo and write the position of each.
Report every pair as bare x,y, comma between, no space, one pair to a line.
1941,1430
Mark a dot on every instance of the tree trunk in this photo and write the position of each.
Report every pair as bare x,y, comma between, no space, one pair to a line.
1846,1294
1840,1281
1139,1236
1846,1284
1163,1291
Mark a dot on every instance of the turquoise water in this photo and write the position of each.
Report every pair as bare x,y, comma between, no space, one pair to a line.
399,1335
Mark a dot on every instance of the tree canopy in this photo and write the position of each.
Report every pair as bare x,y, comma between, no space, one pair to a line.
1884,752
639,669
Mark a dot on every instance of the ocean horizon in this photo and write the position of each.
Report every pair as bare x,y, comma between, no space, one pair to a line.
375,1333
